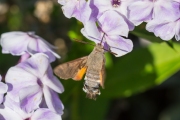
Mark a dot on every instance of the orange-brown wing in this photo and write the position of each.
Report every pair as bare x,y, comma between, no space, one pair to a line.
74,69
102,75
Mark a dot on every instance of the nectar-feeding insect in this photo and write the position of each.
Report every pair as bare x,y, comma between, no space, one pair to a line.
94,67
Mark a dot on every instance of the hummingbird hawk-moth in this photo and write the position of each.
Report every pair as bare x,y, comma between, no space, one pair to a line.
94,67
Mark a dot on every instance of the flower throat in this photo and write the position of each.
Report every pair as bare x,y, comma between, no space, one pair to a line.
116,3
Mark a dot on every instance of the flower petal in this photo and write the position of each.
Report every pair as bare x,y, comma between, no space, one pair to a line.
17,78
165,31
50,80
36,65
52,100
140,11
8,114
14,42
69,7
82,11
30,98
3,88
45,114
90,30
122,8
168,8
1,98
15,106
79,9
39,45
24,57
113,24
18,43
62,2
177,35
102,5
119,45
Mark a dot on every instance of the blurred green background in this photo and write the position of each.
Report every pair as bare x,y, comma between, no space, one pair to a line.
141,85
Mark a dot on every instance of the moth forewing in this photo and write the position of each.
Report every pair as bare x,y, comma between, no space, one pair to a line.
72,69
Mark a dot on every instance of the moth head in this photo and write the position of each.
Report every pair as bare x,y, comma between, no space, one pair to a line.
99,47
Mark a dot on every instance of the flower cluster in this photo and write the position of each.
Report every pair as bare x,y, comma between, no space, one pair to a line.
109,21
31,88
162,17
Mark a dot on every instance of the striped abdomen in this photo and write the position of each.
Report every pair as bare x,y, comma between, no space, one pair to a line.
92,83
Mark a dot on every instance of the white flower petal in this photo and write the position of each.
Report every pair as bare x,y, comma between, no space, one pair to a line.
119,45
8,114
140,11
45,114
30,98
17,78
177,35
14,42
113,23
52,100
15,106
36,65
3,88
165,31
50,80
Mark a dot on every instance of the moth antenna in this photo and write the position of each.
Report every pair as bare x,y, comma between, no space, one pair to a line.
92,44
83,42
102,39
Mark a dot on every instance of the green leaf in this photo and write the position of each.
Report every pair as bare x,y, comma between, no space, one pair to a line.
170,43
141,69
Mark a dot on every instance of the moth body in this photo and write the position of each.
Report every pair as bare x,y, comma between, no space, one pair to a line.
93,77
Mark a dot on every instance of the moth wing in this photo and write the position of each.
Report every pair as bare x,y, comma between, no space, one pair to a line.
74,69
102,75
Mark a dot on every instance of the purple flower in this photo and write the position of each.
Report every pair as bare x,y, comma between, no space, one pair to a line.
146,10
20,43
112,23
119,6
62,2
168,28
79,9
3,89
165,30
11,110
109,33
33,80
